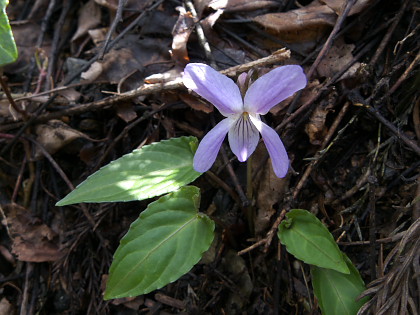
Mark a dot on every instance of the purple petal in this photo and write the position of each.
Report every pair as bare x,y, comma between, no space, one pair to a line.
275,148
243,137
217,88
210,145
242,80
274,87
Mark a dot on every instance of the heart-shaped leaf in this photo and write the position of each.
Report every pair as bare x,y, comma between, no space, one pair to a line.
163,244
306,238
155,169
337,292
8,51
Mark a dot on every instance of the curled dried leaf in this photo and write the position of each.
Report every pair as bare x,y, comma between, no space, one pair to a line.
55,134
32,240
89,17
181,32
316,128
304,24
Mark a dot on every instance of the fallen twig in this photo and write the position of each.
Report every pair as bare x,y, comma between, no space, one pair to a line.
269,236
375,113
321,151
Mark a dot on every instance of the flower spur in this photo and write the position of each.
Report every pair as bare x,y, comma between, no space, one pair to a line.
243,123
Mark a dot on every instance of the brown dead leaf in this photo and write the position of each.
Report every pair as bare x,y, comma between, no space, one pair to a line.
181,32
110,4
309,23
133,303
338,56
316,128
6,308
54,135
89,18
165,22
125,111
71,95
196,103
32,240
98,35
94,71
210,20
339,5
168,125
7,111
131,62
228,54
163,77
269,190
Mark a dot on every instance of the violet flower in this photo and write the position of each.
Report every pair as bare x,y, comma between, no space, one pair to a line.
242,122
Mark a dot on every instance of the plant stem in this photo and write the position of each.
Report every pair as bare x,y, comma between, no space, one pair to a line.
249,178
6,90
250,210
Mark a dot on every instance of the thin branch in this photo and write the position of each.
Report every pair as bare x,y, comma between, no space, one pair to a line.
147,89
331,38
410,143
34,118
200,33
10,98
117,19
387,37
321,151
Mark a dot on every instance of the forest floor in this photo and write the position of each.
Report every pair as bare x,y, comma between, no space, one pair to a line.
97,79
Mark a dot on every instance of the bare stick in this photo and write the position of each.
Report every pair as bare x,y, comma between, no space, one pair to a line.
223,185
200,33
118,18
34,118
323,88
239,190
10,98
330,39
404,75
387,37
127,129
147,89
63,176
392,128
56,40
269,237
318,155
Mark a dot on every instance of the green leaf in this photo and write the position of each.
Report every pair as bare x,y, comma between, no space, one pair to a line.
8,50
163,244
153,170
306,238
337,292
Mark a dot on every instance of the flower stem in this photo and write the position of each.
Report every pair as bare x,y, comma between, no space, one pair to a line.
250,210
249,178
